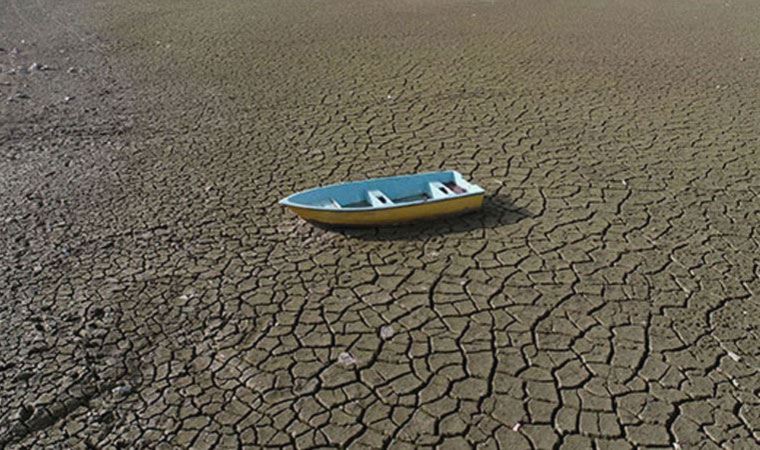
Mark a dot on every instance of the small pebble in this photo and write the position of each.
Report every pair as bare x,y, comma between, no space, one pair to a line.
71,70
34,66
37,269
733,356
386,332
517,426
122,390
346,359
15,51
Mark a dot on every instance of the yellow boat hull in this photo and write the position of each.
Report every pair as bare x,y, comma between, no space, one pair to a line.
394,215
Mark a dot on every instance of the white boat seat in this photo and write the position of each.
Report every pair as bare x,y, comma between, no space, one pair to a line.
438,190
331,204
378,199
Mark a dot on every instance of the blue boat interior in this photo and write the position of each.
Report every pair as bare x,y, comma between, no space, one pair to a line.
388,192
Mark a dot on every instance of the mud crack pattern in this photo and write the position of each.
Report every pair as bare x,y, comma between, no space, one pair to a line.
154,295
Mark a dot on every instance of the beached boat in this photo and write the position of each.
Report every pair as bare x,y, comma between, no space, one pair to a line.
385,201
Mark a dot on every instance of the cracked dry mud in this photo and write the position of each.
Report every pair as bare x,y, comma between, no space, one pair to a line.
153,295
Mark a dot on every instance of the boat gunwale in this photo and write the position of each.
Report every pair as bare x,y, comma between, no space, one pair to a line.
287,202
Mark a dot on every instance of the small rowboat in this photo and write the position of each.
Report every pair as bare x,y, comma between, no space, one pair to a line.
385,201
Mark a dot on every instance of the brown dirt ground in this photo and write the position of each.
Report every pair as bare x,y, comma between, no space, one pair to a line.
152,293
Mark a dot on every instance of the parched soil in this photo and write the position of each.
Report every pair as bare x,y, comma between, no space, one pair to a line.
153,293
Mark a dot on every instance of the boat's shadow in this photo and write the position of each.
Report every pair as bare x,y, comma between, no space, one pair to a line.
497,211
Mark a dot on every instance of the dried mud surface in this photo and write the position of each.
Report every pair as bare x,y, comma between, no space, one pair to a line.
152,293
